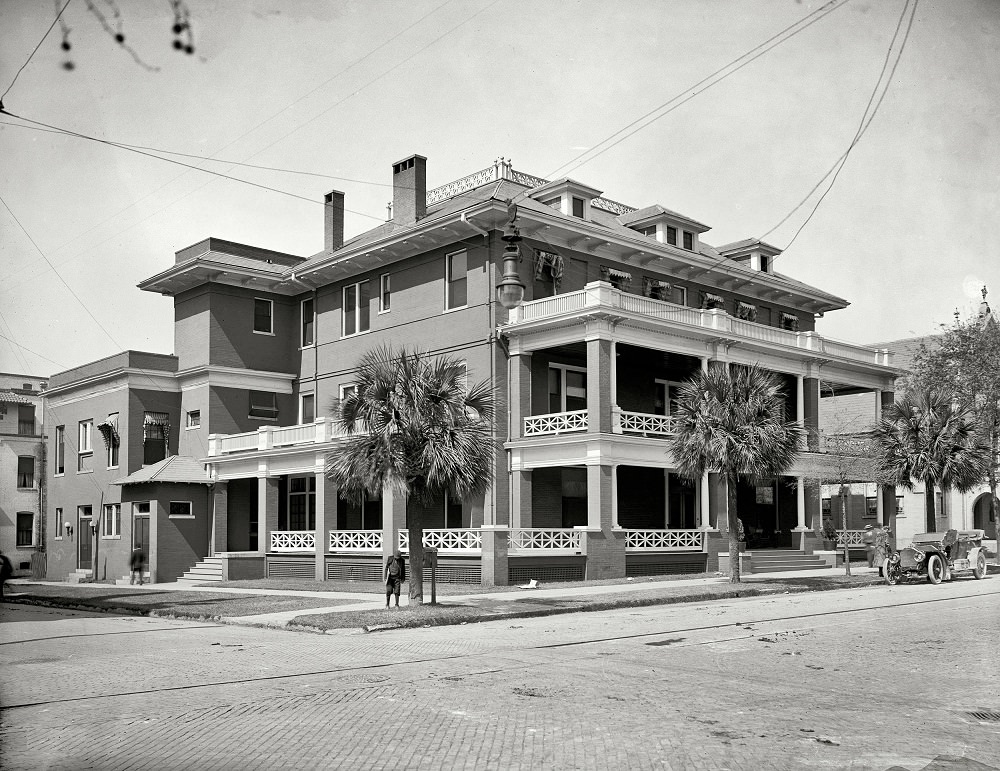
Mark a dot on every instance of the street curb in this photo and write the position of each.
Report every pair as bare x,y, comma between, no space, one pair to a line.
644,602
582,606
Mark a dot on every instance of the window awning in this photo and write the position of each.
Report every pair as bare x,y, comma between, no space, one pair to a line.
714,298
551,260
109,431
619,274
155,425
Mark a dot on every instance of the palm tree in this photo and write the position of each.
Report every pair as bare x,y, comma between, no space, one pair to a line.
731,420
929,437
412,423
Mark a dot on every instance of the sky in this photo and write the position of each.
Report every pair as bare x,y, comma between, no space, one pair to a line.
328,95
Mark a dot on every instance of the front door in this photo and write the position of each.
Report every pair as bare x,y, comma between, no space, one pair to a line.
86,540
140,534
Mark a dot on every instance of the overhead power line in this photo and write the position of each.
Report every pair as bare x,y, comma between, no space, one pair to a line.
34,51
867,117
702,85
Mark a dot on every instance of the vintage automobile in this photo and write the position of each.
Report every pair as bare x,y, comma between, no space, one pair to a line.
937,556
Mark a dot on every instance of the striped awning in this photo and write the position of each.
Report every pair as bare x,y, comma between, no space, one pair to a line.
156,425
109,430
551,260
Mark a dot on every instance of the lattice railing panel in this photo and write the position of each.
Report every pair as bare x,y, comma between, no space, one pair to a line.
355,540
853,537
293,540
664,540
555,423
645,423
545,539
447,539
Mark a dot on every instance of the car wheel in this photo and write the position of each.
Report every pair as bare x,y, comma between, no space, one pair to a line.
935,569
891,572
980,569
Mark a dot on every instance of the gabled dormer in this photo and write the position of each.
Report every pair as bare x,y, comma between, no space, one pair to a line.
665,226
752,252
568,196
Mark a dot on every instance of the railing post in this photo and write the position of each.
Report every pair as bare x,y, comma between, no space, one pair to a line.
322,431
494,559
213,444
264,438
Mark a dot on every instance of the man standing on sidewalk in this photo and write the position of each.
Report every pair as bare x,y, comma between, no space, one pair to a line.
137,563
395,574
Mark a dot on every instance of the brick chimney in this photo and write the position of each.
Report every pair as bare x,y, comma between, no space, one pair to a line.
409,190
333,204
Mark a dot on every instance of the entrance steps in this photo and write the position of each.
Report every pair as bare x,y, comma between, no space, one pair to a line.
209,569
781,560
78,576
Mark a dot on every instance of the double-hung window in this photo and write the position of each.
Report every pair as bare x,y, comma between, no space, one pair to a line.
308,323
60,454
688,241
26,419
307,413
567,388
111,521
25,528
263,316
302,503
85,445
357,313
456,280
26,471
671,235
263,404
384,293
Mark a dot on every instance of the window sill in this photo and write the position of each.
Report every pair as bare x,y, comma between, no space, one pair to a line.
113,468
87,471
181,516
57,538
111,537
383,313
456,308
259,332
192,428
56,476
356,334
307,346
26,489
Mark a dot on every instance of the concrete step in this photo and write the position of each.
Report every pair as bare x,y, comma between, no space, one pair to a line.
78,576
208,569
786,568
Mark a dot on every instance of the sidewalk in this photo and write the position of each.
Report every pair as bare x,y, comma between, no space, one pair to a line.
367,610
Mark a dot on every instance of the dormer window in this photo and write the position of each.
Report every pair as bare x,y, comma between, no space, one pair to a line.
571,198
671,235
555,203
765,264
577,207
649,231
689,241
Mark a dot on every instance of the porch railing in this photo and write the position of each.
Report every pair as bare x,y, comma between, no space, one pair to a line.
664,540
293,540
598,295
555,423
267,437
852,537
544,539
448,539
355,540
641,423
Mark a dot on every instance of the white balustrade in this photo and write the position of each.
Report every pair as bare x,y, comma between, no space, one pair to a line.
293,540
286,435
853,537
355,540
447,539
545,539
236,442
555,423
664,540
602,295
317,432
645,423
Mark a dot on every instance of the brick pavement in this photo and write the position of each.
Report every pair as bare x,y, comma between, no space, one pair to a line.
751,694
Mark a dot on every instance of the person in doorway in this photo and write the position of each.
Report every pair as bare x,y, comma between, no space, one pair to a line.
395,574
6,571
137,564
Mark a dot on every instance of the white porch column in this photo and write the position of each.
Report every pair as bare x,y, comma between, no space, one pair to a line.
614,386
800,504
614,468
704,364
703,508
800,404
262,515
324,489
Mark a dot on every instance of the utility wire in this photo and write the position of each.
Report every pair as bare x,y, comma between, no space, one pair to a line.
31,55
207,158
763,48
109,143
865,121
26,348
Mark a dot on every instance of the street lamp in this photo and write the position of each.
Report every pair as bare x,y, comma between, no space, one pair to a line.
510,290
